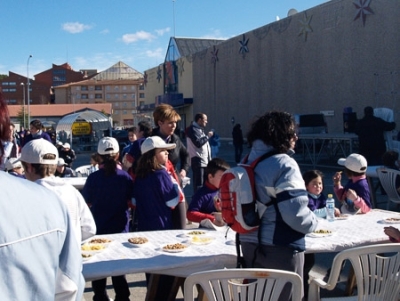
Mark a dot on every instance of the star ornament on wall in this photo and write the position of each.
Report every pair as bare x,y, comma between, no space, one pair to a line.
214,55
180,63
243,46
305,27
362,10
159,76
145,78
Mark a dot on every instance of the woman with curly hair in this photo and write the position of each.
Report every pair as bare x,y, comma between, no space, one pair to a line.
282,195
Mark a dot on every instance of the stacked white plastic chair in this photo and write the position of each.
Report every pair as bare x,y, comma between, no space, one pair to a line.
388,178
387,115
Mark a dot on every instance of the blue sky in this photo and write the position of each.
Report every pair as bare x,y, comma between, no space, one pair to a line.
97,34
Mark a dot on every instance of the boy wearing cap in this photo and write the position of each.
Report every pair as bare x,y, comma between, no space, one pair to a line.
355,196
67,153
39,158
14,167
40,257
63,171
108,191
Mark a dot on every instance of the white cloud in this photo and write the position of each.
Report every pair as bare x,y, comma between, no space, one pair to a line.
161,32
138,36
157,53
75,27
105,31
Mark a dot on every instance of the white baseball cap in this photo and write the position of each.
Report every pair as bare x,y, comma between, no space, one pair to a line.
354,162
34,151
66,145
13,163
61,162
107,146
155,142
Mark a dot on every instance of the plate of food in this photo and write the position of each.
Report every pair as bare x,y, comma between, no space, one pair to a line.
93,247
202,239
392,220
138,241
86,255
100,241
175,248
321,233
196,233
342,217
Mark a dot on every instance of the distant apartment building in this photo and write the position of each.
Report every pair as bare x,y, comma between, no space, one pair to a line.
119,85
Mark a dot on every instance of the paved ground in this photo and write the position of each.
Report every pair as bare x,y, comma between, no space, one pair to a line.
323,261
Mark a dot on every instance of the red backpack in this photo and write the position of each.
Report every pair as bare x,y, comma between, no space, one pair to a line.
238,196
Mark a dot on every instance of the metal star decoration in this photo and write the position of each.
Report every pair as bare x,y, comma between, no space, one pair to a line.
159,76
362,10
180,63
305,27
214,55
145,78
243,46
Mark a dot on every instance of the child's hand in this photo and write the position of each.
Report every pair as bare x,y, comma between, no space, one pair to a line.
351,195
392,233
337,177
337,212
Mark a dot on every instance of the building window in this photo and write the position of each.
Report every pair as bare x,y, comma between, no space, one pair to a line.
124,88
5,90
84,88
125,112
141,95
12,83
91,88
78,88
124,96
12,101
98,88
107,88
116,112
116,104
116,96
4,83
141,87
133,88
116,88
124,104
98,96
77,96
141,103
108,96
133,96
91,96
133,104
12,90
84,96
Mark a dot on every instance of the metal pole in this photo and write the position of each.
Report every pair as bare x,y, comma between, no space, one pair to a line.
27,87
23,108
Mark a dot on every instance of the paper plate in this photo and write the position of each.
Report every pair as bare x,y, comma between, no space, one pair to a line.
94,247
317,234
175,247
99,241
392,220
202,240
342,217
138,241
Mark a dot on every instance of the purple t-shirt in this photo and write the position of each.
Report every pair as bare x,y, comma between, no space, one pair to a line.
109,196
153,195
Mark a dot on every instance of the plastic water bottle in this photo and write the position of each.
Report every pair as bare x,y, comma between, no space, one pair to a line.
330,208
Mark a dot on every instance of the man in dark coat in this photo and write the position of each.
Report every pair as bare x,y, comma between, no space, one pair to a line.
370,131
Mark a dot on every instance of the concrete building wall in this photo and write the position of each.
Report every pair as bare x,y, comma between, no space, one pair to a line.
322,59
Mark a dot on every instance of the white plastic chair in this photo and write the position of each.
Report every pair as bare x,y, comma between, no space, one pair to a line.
227,284
83,170
388,178
377,274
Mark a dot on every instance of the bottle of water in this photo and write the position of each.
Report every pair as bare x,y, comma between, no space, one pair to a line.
330,208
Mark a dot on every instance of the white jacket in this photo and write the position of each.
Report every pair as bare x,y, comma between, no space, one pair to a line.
40,257
81,216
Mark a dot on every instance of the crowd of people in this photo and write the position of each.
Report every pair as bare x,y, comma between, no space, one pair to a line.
139,188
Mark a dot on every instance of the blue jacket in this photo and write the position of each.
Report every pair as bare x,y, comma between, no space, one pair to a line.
286,222
40,256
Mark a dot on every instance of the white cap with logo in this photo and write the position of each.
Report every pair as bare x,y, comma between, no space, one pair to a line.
107,146
155,142
35,150
354,162
13,163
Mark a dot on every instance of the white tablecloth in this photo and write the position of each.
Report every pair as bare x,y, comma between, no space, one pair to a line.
358,230
121,257
77,182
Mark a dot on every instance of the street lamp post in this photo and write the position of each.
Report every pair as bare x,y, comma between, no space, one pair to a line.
27,87
23,100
